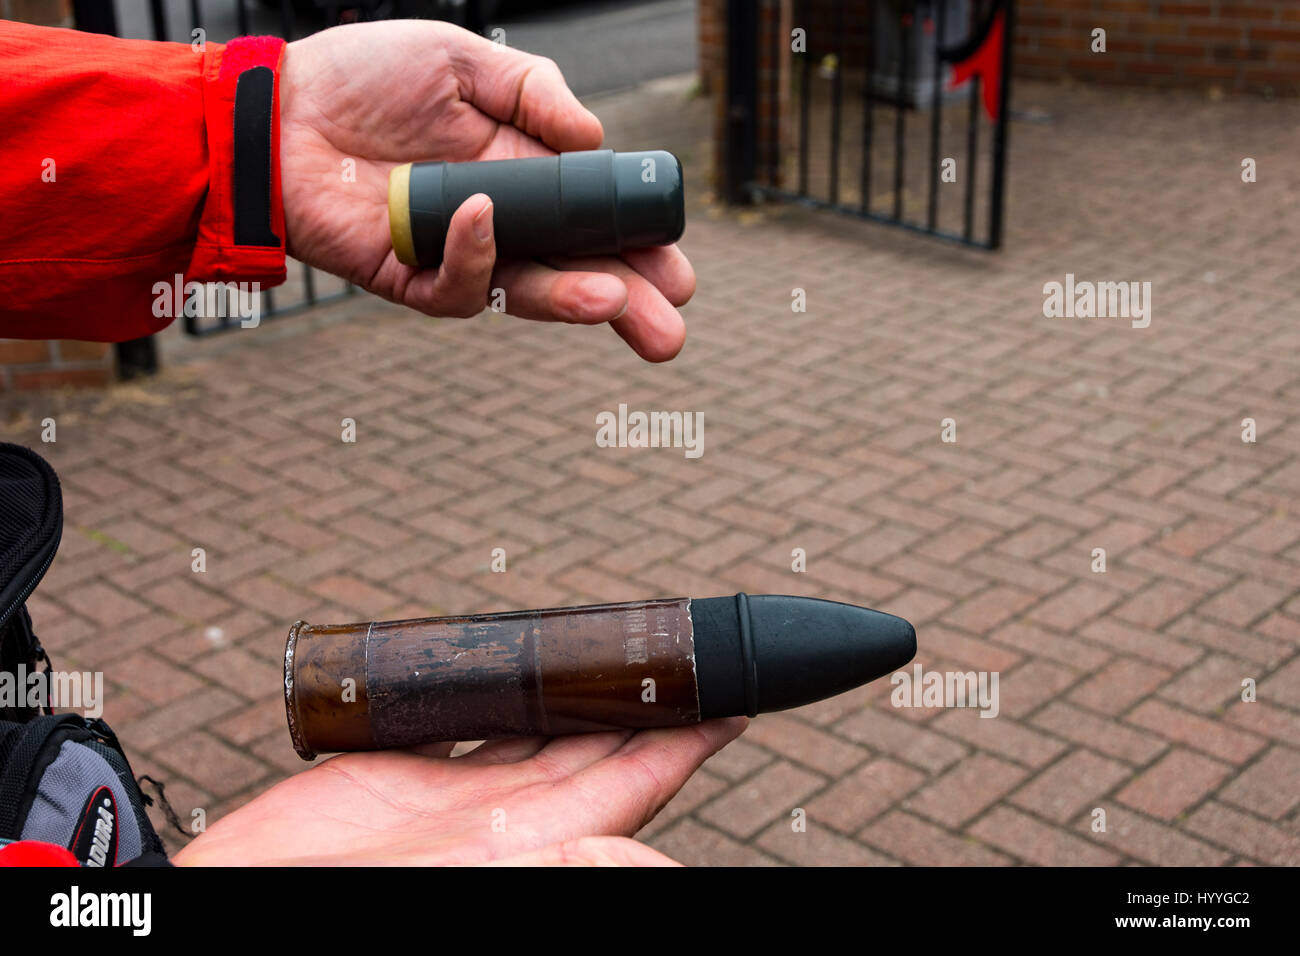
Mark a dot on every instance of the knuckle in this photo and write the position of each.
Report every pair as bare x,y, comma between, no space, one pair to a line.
547,64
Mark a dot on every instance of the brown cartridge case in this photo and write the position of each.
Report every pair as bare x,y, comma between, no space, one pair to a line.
520,673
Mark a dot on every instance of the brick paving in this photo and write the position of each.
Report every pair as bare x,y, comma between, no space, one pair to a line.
1120,691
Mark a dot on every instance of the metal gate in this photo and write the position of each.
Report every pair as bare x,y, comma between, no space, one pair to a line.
889,110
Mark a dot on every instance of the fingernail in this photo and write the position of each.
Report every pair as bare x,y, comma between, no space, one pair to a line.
483,222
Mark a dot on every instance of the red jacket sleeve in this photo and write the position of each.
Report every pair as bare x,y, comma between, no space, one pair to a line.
118,173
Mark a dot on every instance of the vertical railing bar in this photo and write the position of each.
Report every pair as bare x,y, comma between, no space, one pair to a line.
196,16
868,103
158,14
268,301
804,84
936,104
905,23
972,150
308,284
837,93
286,18
742,152
1000,131
774,97
242,12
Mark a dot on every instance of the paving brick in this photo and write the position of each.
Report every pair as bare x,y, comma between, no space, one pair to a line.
1270,787
1000,735
1175,782
1099,733
1031,686
817,846
1265,719
1244,602
738,760
188,599
1051,646
982,613
1158,604
104,605
1040,538
1195,536
966,790
178,718
1156,843
867,792
1209,736
1283,685
702,787
264,593
1078,603
917,746
1249,836
1070,786
773,792
1209,684
346,589
805,744
1035,842
975,653
217,767
916,841
695,845
1118,685
153,678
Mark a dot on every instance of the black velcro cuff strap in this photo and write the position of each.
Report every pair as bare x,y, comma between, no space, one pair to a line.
254,102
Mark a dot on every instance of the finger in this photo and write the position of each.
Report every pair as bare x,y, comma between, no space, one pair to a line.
550,759
667,269
507,750
537,291
635,782
651,325
526,91
565,756
460,285
590,851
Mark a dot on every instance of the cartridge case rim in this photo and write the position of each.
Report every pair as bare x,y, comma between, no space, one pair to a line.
290,708
399,214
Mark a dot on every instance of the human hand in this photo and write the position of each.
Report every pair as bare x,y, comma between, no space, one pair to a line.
382,94
529,800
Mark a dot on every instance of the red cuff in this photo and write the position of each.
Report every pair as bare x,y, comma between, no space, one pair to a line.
218,256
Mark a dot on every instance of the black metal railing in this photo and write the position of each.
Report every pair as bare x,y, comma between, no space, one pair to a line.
950,57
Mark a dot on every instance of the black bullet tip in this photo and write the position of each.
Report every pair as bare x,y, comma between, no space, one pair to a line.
774,651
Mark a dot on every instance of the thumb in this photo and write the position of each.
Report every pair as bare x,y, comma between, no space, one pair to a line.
460,286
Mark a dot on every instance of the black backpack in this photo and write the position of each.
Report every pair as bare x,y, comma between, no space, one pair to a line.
63,777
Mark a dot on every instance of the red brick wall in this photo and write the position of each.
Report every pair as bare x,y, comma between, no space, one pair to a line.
50,13
27,365
1241,46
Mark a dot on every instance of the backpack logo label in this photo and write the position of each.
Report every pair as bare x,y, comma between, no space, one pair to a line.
95,840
